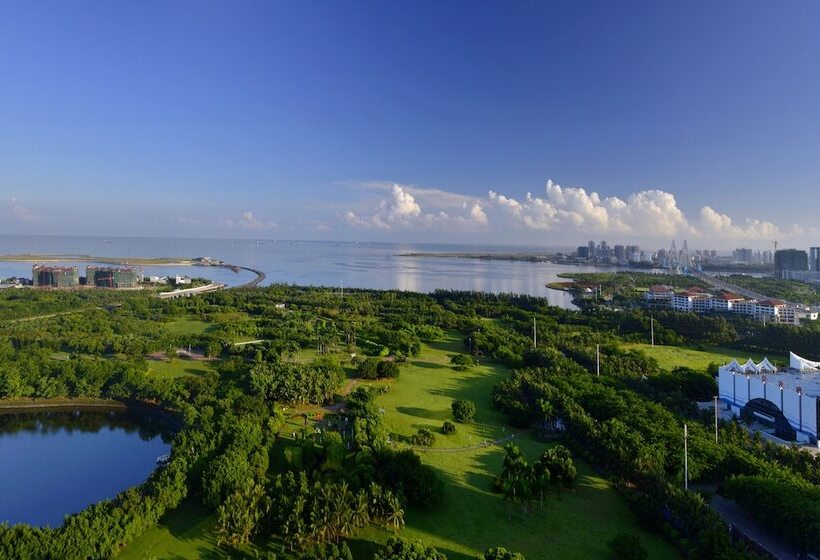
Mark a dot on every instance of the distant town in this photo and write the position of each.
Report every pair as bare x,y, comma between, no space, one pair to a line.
787,264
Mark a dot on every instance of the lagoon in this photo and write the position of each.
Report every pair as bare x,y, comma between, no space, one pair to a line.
57,463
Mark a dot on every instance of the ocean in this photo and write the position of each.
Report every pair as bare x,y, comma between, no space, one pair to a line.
314,263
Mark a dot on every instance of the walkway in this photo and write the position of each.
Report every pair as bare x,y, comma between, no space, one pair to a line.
735,515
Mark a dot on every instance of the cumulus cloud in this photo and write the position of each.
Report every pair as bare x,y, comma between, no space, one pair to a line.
713,223
569,212
402,211
649,212
20,212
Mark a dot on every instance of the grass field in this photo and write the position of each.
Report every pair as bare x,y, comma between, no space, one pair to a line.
188,326
177,367
674,356
576,524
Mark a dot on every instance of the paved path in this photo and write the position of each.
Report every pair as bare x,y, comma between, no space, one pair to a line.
735,515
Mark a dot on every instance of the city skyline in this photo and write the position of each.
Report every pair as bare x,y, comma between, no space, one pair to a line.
487,124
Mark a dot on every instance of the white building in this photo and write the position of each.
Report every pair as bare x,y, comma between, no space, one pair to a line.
788,399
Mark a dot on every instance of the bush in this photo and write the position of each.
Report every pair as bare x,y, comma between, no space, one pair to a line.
424,437
389,369
448,428
463,411
501,553
369,368
627,547
462,361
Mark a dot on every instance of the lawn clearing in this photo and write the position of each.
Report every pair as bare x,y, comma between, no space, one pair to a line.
178,367
670,357
576,524
188,326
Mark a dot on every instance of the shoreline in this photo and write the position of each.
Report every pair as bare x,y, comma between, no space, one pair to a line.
62,404
49,257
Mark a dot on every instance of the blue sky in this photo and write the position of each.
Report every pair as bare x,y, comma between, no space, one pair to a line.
413,120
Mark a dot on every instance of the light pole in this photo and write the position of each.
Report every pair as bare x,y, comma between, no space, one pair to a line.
652,329
716,419
598,360
685,458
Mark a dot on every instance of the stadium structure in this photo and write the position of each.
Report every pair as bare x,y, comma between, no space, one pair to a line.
55,276
786,398
112,277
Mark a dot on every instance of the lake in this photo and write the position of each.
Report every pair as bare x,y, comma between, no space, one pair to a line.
332,264
56,463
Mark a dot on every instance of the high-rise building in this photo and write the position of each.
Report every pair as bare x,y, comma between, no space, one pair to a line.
789,259
591,250
111,277
582,252
814,259
55,276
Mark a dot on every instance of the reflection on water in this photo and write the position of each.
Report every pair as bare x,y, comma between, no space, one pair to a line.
56,463
357,265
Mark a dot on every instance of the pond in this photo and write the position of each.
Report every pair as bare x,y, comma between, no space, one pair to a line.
56,463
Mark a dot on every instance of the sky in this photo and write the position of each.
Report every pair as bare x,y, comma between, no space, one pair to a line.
533,123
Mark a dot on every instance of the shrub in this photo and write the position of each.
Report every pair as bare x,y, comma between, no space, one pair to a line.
463,411
461,362
448,428
388,368
424,437
369,368
627,547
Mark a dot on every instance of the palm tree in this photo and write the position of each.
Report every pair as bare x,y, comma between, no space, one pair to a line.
395,513
360,513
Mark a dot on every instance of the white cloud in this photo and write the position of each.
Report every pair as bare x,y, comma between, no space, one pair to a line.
403,211
246,221
21,213
644,213
566,212
715,224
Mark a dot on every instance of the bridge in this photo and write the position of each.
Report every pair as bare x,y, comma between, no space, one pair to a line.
788,399
188,292
719,284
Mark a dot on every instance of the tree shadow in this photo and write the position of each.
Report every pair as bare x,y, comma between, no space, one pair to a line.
425,413
429,365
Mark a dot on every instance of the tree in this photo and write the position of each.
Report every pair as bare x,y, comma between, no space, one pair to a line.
448,428
463,410
400,549
627,547
462,362
368,369
501,553
388,369
239,516
424,438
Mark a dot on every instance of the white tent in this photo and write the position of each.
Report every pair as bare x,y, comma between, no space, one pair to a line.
802,364
766,366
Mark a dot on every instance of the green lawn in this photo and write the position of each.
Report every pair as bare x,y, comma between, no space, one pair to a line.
177,367
188,326
185,533
673,356
576,524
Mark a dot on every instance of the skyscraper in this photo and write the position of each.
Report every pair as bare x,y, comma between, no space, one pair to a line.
789,259
814,259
